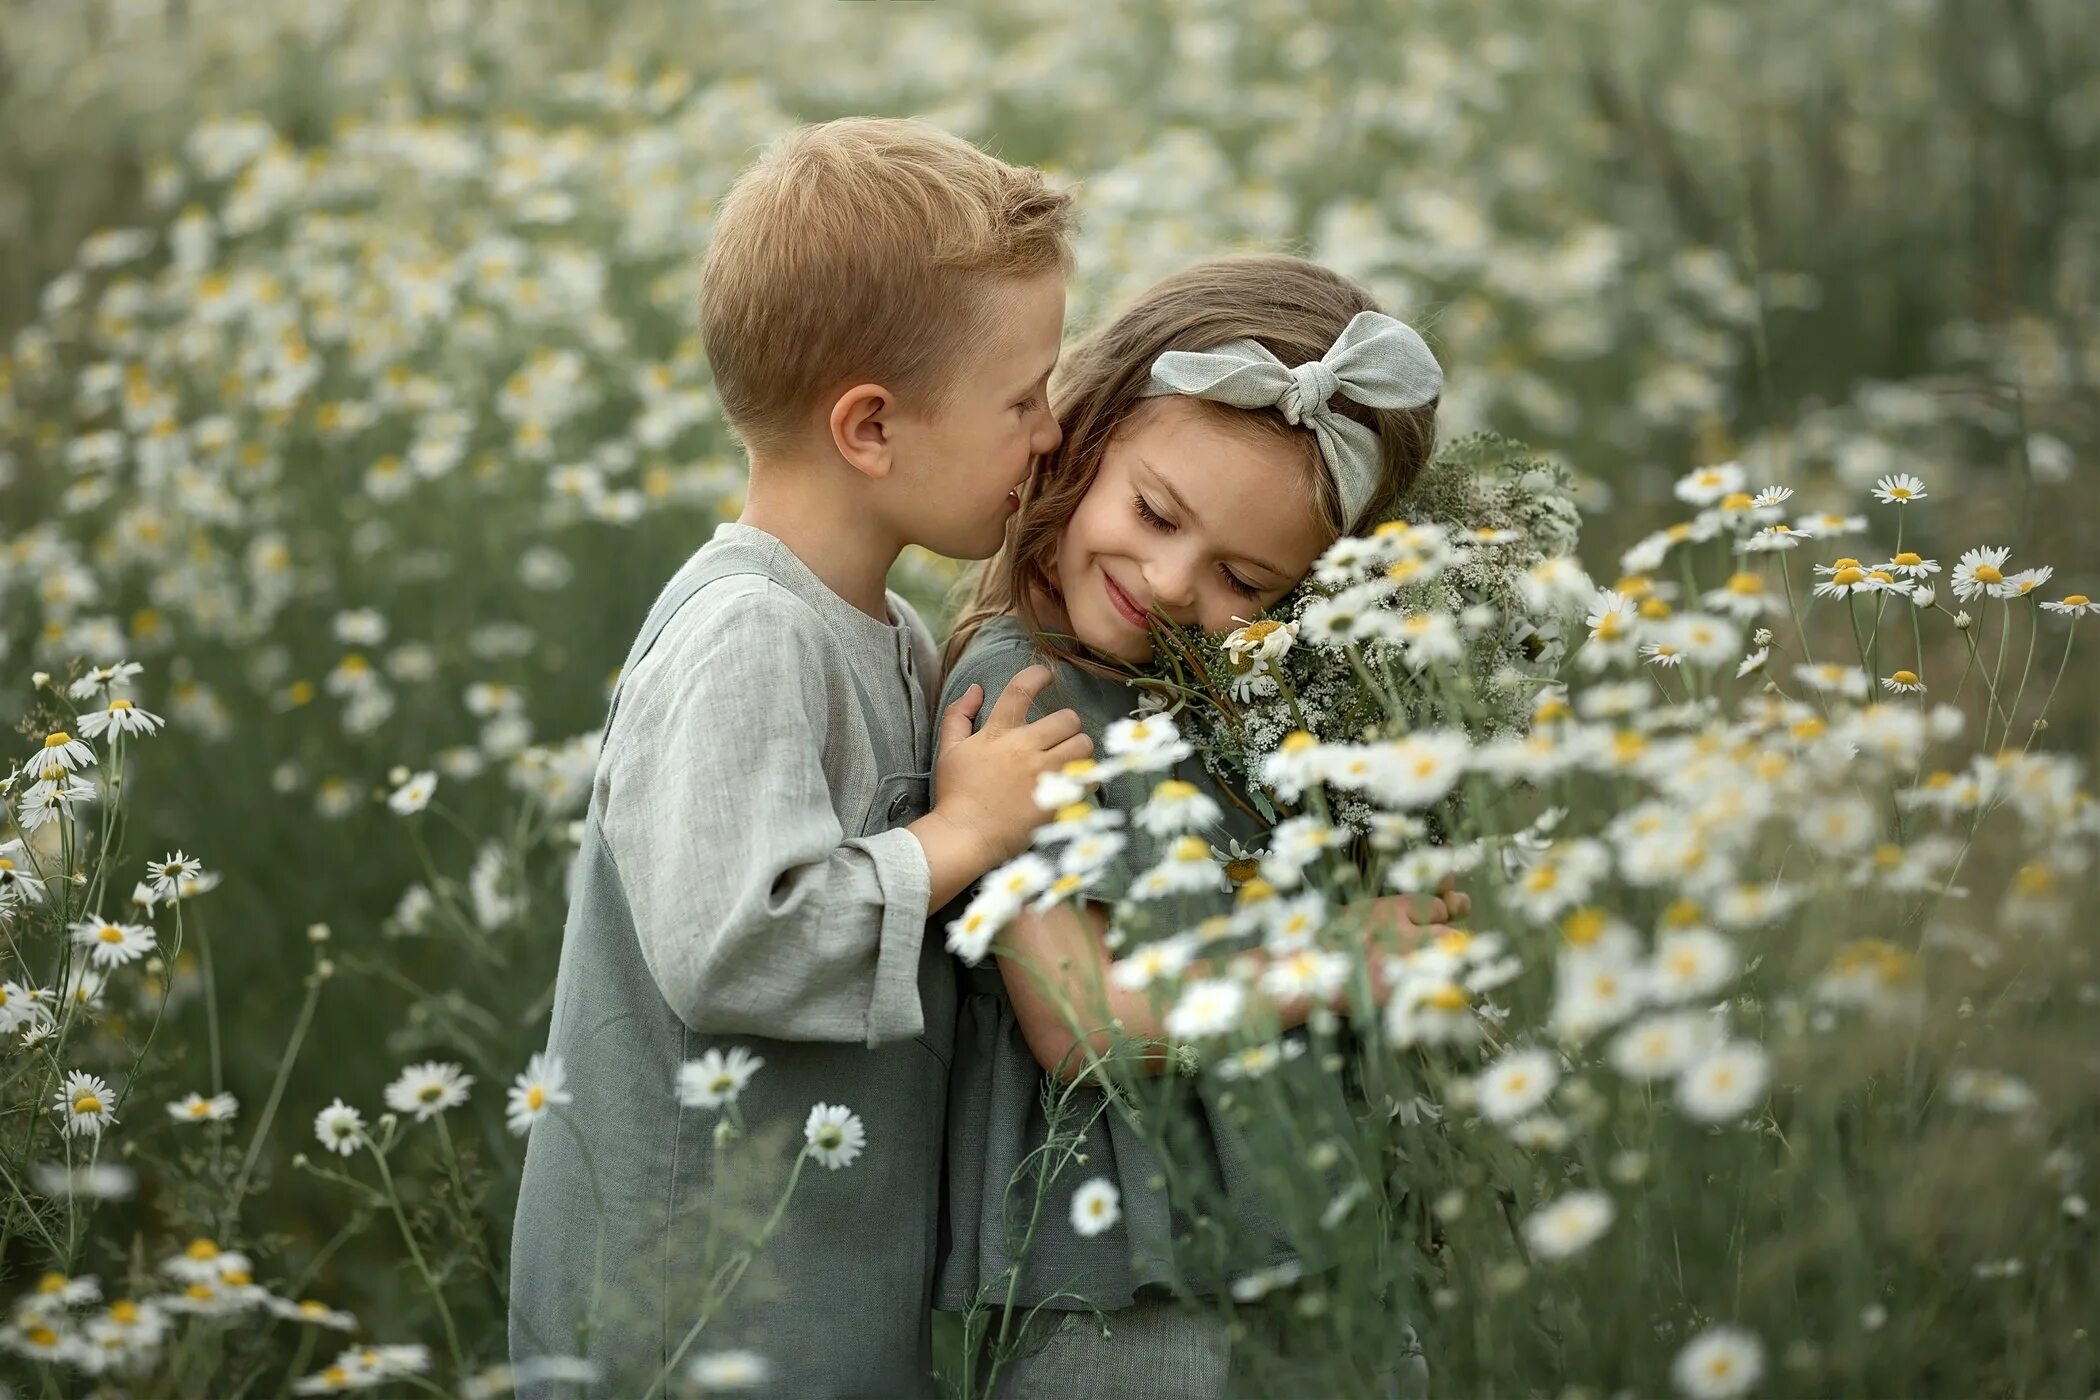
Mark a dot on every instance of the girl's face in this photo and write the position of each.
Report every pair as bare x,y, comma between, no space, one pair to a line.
1189,518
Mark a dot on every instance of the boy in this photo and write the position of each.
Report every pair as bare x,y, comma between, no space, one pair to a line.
882,305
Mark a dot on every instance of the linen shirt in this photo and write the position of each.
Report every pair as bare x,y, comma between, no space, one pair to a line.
735,771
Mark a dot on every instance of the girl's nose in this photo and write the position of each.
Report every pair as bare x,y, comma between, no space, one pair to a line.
1173,580
1048,436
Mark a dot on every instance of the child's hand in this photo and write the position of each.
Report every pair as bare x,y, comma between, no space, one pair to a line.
1401,923
986,780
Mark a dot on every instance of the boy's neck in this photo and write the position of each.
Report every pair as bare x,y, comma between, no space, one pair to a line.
828,528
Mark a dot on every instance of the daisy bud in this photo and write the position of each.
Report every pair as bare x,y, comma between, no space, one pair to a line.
2040,725
317,933
725,1132
38,678
299,1161
1961,621
387,1122
1762,637
325,969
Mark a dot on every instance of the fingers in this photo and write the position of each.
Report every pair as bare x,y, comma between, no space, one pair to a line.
1020,693
1072,750
957,720
1052,730
1457,901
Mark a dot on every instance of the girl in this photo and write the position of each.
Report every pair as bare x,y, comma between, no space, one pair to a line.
1198,478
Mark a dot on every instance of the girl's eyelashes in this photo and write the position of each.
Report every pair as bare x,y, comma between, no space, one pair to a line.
1160,522
1027,405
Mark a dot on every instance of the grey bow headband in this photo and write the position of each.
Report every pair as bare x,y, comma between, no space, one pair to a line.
1376,361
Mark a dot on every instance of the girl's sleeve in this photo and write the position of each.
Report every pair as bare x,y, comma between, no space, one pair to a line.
756,912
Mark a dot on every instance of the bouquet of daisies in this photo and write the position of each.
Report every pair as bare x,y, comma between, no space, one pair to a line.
1447,616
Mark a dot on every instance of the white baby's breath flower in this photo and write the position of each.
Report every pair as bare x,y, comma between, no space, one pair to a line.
1096,1207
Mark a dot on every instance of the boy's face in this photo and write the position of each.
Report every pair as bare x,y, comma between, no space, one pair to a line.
1188,518
960,471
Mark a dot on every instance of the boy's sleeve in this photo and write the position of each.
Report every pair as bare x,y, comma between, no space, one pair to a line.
756,912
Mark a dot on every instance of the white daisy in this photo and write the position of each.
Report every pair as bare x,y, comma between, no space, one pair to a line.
1903,683
716,1078
1719,1364
1254,1061
1568,1224
1659,1047
1266,640
112,944
2072,605
537,1092
1146,744
85,1105
1725,1083
340,1128
428,1089
1096,1207
728,1370
1176,806
1899,490
1312,974
1709,484
1519,1082
414,795
312,1312
121,717
171,877
1979,571
1690,963
971,932
63,751
195,1108
1149,962
2026,581
835,1135
1774,537
1207,1007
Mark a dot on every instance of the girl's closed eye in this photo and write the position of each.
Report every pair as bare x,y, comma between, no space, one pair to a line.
1028,405
1160,522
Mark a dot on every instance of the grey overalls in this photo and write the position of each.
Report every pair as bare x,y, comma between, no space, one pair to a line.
838,1302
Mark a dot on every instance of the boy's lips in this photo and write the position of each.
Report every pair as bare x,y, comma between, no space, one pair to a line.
1125,605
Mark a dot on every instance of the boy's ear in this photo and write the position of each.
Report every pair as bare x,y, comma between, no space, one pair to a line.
863,429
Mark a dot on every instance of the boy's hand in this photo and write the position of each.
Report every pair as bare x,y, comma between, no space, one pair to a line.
986,780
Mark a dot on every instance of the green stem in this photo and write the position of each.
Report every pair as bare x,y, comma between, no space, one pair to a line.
415,1252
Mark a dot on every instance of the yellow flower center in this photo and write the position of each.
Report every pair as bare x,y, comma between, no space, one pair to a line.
1583,926
430,1093
236,1278
1174,790
1880,576
116,705
1905,678
1609,627
1447,998
2036,879
110,933
43,1336
58,739
535,1098
309,1307
123,1310
1260,631
2077,600
1542,879
1654,608
1746,585
51,1283
1846,577
1189,848
1297,741
1073,811
1683,913
1848,562
1986,573
1255,890
1908,560
1888,855
85,1103
1736,500
200,1109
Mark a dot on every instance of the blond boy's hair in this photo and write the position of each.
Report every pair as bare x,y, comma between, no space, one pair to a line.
861,250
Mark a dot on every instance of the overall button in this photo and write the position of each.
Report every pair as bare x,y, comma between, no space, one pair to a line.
898,804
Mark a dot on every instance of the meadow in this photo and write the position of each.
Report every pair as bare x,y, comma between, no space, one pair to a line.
348,386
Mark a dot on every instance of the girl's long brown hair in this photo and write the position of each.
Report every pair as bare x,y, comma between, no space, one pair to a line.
1293,307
